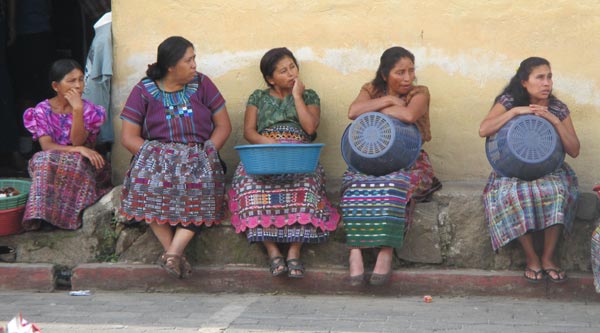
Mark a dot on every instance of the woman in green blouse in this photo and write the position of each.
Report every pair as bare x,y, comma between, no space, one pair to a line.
286,208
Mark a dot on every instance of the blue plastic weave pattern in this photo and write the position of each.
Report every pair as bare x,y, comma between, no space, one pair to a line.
526,147
377,144
269,159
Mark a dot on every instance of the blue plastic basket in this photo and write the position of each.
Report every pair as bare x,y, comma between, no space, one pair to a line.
526,147
269,159
377,144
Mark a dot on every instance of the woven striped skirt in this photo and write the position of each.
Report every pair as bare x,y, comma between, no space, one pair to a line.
514,207
377,210
285,208
63,185
175,183
596,257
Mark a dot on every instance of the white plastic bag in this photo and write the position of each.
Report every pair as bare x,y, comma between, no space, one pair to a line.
20,325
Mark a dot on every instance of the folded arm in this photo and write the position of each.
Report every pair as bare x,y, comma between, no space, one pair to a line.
390,105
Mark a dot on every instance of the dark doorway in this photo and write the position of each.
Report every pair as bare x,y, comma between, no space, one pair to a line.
44,31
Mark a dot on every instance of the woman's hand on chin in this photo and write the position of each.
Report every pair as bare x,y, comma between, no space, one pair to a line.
74,98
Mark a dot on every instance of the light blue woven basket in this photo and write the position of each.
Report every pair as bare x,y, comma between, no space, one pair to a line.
269,159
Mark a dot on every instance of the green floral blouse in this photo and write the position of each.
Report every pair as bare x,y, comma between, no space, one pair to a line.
272,110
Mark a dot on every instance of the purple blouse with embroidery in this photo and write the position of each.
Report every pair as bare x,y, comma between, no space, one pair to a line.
41,121
184,116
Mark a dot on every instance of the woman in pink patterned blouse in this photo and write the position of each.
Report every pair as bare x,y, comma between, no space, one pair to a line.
68,175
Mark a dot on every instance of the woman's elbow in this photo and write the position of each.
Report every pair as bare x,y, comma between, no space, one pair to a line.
485,131
411,118
226,129
247,134
573,152
482,133
352,113
126,139
76,143
312,129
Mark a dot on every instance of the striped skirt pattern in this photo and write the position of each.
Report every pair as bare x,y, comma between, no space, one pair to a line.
275,205
513,206
63,185
596,257
282,208
377,210
175,183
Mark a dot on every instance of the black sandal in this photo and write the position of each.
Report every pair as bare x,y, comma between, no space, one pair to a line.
277,263
295,265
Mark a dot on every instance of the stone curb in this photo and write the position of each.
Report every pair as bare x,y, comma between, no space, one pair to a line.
36,277
239,279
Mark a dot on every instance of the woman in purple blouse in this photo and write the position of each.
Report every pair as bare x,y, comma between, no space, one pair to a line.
174,123
68,175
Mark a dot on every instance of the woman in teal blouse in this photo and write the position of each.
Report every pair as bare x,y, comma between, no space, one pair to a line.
286,208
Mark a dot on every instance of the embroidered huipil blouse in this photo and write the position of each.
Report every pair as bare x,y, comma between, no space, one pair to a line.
274,111
184,116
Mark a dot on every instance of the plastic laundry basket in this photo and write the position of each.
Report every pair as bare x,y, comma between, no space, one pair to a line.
526,147
377,144
267,159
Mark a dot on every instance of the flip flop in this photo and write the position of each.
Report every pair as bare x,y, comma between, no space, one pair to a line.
535,274
557,272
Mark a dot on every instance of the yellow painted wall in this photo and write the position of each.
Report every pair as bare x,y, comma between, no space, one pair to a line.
466,51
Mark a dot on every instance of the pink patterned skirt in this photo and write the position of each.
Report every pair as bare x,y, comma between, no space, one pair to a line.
63,185
285,208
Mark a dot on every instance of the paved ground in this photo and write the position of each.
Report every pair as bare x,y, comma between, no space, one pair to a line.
228,313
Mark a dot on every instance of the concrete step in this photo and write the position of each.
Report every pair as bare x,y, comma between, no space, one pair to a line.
323,281
242,279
